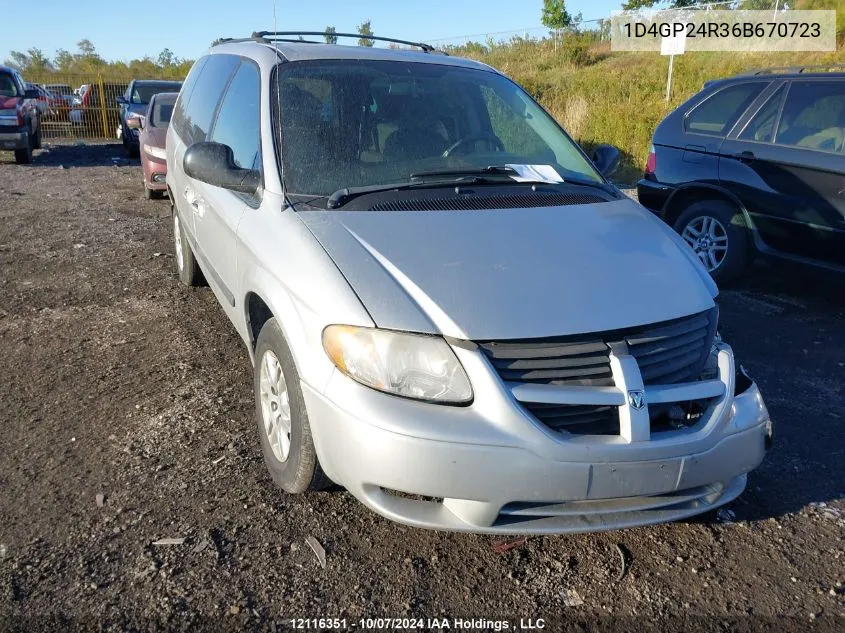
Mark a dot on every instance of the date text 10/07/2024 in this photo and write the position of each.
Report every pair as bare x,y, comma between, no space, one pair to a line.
419,624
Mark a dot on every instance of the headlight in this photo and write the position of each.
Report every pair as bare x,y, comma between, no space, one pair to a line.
155,152
409,365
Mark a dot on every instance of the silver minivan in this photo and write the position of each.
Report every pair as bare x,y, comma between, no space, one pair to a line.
450,311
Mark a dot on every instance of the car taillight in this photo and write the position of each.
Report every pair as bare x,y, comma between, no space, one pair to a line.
651,161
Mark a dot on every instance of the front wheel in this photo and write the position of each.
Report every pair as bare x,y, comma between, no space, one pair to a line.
24,156
282,420
36,142
186,264
717,234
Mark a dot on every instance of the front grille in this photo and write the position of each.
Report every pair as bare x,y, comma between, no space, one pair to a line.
580,419
667,353
476,203
674,352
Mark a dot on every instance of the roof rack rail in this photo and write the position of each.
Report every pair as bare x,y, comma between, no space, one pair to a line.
794,70
284,36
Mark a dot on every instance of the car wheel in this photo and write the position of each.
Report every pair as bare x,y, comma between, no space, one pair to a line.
152,194
282,420
186,264
717,234
36,143
24,156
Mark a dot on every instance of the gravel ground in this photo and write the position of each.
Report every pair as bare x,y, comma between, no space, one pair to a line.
127,418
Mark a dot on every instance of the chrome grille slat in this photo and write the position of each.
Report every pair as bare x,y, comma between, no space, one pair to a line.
644,350
666,353
546,363
550,374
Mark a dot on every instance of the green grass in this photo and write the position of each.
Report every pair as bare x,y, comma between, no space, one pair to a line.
619,98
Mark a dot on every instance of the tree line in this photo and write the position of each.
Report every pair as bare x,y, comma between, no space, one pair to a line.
35,63
554,16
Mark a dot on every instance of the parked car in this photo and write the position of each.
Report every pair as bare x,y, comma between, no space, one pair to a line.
95,109
20,120
153,127
136,100
43,101
449,308
755,164
65,94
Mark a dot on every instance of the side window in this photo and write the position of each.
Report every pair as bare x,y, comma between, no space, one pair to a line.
206,95
238,122
762,127
179,119
717,114
814,116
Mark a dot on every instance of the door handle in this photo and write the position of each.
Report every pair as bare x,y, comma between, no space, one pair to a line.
744,156
193,200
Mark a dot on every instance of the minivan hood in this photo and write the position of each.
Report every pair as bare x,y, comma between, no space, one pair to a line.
514,273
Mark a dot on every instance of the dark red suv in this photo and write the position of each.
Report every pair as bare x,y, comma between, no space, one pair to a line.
20,122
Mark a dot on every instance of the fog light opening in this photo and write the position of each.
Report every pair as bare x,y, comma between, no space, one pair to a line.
742,381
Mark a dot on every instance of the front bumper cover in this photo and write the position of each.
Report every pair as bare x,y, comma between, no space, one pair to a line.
13,139
503,487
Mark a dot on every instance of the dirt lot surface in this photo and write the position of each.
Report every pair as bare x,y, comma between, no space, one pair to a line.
127,409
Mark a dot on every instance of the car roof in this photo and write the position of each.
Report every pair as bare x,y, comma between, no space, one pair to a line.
770,74
157,81
303,51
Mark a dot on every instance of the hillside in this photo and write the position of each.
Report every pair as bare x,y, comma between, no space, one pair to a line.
619,98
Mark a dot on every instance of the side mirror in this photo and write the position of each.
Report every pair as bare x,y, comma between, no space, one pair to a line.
30,93
606,159
213,163
120,100
134,123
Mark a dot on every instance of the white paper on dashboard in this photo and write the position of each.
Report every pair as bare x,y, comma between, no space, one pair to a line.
537,173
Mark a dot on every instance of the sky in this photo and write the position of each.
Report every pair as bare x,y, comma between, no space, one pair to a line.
124,31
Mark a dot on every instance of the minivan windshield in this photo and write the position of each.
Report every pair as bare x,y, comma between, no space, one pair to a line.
361,123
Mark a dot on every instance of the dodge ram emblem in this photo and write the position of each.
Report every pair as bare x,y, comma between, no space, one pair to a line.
636,398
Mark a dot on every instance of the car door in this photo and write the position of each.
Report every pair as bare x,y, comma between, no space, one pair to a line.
191,122
787,166
237,125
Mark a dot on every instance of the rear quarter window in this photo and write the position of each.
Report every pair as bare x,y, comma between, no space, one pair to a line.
716,115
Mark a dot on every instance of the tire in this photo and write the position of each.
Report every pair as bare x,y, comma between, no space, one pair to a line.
716,232
297,469
186,264
36,143
24,156
152,194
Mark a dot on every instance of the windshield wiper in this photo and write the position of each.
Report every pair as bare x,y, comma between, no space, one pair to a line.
497,170
504,170
342,196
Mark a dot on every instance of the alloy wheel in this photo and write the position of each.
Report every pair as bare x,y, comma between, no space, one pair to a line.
275,406
708,239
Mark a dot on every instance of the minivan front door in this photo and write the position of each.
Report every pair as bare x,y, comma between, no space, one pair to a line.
219,211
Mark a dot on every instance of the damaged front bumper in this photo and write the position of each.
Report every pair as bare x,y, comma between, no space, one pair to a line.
490,467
